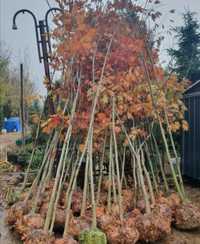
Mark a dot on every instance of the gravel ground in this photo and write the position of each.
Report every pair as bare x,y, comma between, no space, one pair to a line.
9,138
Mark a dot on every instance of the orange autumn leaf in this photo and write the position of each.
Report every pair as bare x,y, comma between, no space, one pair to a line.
81,147
175,126
53,122
185,125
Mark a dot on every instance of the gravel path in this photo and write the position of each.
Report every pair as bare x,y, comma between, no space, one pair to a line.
6,236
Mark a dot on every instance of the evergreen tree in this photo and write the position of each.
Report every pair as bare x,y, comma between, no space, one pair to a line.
186,58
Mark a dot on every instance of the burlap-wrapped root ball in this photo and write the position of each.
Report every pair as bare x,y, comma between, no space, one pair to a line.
39,237
28,223
66,240
187,217
155,225
16,212
60,215
77,225
173,201
119,232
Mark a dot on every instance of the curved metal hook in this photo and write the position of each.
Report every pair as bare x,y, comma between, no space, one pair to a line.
51,10
47,24
14,27
23,11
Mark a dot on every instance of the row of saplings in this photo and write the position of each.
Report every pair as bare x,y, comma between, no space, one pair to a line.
135,225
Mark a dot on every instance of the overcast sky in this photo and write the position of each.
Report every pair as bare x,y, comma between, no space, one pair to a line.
22,42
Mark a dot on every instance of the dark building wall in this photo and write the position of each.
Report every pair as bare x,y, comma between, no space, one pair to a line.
191,138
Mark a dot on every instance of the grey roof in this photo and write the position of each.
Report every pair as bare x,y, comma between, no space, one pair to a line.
192,86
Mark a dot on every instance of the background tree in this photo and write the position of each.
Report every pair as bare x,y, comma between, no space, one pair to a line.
4,73
10,90
186,58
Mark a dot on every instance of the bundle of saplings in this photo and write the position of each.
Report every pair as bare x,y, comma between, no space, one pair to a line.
112,98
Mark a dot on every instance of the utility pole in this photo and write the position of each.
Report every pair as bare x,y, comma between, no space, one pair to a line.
22,102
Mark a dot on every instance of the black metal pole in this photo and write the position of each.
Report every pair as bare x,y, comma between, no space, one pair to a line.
44,43
43,46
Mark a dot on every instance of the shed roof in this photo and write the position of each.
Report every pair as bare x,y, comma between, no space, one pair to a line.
194,88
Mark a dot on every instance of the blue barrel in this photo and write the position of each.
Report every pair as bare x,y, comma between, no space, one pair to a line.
12,124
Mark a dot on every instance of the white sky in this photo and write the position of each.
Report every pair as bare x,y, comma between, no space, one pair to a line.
22,42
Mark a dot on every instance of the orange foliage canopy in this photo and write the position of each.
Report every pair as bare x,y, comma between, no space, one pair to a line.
129,69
